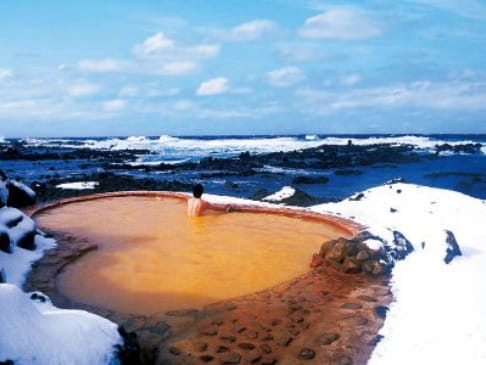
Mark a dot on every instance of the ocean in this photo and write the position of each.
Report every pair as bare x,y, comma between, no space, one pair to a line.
459,170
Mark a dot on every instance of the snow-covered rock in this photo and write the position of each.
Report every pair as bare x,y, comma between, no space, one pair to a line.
3,189
33,331
20,195
438,316
284,193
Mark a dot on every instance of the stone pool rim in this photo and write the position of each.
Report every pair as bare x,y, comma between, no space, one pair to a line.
349,226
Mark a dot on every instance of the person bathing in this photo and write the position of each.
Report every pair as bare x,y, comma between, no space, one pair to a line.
196,205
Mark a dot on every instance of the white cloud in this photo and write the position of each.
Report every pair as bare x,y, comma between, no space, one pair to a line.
178,68
250,31
216,86
303,52
103,65
114,105
351,80
474,9
84,89
4,73
154,44
342,23
285,77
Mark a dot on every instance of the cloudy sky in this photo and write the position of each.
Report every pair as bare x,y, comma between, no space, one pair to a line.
191,67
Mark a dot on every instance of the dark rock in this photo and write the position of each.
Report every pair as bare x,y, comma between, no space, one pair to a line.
350,266
355,321
306,354
381,311
310,180
246,346
232,358
267,337
316,261
13,222
174,351
285,341
327,338
7,362
344,360
206,358
39,297
266,349
5,244
300,199
375,340
129,352
362,255
336,252
402,246
3,276
254,358
347,172
27,241
230,339
19,195
357,197
453,249
393,210
222,349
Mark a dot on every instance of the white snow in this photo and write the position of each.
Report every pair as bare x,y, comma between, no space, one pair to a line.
284,193
78,185
438,316
39,333
17,264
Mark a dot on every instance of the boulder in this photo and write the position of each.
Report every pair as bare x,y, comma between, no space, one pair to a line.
3,189
27,241
453,249
3,276
5,244
19,195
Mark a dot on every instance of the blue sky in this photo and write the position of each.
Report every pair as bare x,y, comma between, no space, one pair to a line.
187,67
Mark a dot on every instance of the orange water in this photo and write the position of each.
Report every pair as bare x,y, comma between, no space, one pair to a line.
153,258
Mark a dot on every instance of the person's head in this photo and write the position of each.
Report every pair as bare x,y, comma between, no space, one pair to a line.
197,190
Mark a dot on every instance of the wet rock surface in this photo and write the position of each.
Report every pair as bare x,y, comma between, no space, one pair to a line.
322,317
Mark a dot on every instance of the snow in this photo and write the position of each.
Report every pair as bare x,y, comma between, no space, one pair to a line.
438,315
284,193
17,264
79,185
43,334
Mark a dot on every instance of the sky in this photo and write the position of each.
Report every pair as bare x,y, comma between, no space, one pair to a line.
192,67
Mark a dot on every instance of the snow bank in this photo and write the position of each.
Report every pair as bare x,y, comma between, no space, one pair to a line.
438,316
34,331
284,193
79,185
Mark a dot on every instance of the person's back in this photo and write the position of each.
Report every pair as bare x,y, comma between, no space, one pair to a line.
196,205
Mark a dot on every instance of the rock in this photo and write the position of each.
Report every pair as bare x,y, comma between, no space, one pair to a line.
337,251
3,189
402,246
246,346
355,321
129,352
3,276
362,255
254,358
174,351
268,361
357,197
266,349
19,195
316,261
206,358
5,244
381,311
232,358
453,249
39,297
350,266
285,341
310,180
344,360
230,339
222,349
267,337
306,354
375,340
327,338
27,241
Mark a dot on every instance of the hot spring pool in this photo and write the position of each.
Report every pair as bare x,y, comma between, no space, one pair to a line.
153,258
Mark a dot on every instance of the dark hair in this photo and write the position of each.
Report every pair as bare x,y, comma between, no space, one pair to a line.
197,190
